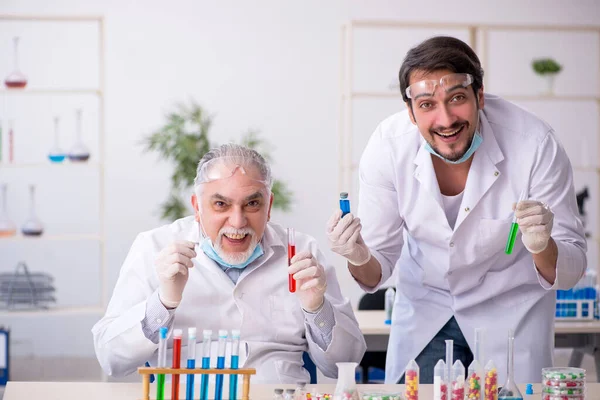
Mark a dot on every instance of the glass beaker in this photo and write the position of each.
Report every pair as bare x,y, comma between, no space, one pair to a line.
79,152
56,154
345,389
32,226
16,79
509,390
7,227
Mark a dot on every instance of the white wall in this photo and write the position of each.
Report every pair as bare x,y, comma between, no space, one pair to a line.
269,65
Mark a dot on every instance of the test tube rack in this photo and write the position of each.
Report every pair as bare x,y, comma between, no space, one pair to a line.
147,371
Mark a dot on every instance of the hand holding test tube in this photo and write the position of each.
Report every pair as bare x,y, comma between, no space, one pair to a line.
310,275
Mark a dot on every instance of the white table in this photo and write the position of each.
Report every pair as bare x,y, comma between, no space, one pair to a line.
131,391
582,336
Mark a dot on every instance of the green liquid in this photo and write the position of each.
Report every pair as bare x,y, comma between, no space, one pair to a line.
160,387
512,236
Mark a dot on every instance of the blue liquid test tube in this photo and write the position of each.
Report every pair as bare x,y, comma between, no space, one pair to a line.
220,364
191,364
162,362
235,358
206,339
344,204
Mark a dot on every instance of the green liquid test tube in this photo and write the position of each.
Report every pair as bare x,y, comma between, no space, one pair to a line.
160,386
512,236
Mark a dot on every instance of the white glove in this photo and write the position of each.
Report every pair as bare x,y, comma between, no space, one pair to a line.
345,239
311,282
172,265
535,222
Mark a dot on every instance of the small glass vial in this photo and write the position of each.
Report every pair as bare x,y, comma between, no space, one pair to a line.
56,154
289,394
7,226
300,391
411,379
79,152
344,204
32,226
278,394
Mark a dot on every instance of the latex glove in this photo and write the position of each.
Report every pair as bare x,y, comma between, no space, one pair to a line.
535,221
172,266
311,282
345,239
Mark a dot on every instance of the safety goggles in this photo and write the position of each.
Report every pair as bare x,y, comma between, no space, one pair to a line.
426,88
223,168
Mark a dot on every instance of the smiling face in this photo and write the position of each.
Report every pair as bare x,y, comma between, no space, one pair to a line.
447,120
233,213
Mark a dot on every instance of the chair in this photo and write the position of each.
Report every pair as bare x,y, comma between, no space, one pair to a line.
376,359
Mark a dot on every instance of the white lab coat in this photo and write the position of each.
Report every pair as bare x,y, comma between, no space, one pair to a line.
270,318
464,271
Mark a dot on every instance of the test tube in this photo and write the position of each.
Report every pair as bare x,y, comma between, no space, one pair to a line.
491,381
411,380
344,203
235,357
449,360
206,339
220,364
191,364
514,229
458,381
177,335
291,254
11,142
440,389
162,362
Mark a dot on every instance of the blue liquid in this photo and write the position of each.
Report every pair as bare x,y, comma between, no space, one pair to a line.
189,384
344,206
233,378
509,398
56,158
204,381
219,380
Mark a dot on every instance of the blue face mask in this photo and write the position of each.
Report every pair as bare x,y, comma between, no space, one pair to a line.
475,143
210,251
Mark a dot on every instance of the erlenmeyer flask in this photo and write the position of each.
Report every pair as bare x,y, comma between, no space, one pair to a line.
56,154
16,79
510,391
32,226
7,227
346,384
79,152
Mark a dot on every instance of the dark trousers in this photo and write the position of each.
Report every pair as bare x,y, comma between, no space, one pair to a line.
436,350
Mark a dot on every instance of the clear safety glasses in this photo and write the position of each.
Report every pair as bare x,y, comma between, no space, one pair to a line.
223,168
449,83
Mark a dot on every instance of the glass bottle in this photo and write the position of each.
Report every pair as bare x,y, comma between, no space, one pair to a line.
345,388
32,226
510,391
79,152
300,391
56,154
7,227
289,394
278,394
16,79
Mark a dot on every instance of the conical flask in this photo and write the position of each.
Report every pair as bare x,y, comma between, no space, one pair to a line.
16,79
79,152
509,390
56,154
32,226
7,227
346,383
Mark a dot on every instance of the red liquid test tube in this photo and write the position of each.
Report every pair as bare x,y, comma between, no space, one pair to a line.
291,254
177,334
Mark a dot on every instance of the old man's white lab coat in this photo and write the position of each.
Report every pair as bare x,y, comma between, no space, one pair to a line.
270,318
464,272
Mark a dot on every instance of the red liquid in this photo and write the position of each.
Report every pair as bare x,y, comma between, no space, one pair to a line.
176,364
15,84
291,280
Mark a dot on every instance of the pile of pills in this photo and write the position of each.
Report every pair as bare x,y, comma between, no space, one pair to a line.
563,383
491,384
411,385
474,388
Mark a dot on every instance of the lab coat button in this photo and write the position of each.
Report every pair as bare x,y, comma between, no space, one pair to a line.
158,320
467,209
451,244
321,324
496,173
449,273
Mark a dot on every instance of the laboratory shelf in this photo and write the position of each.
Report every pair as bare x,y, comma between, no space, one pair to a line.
71,236
50,91
53,311
65,164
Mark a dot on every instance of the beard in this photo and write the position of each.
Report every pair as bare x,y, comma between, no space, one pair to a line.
236,257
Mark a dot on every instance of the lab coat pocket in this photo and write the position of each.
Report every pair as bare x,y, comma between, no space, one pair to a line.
286,317
492,235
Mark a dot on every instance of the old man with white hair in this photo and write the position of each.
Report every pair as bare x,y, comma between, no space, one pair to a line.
226,267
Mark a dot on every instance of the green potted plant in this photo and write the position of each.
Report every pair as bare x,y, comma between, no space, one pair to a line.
183,140
547,68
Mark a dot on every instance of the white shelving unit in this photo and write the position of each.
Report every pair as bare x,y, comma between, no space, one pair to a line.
372,52
96,165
